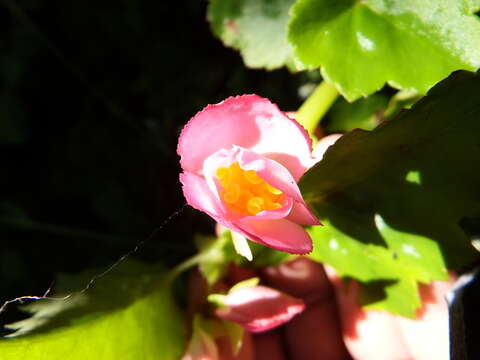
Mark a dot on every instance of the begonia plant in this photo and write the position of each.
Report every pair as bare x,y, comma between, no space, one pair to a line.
355,206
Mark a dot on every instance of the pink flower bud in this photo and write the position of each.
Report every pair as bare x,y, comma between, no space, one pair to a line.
259,308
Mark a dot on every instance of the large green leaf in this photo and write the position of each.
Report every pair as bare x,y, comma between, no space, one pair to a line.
258,28
392,199
126,314
410,44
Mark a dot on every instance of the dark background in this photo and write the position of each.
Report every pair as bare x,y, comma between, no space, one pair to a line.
93,95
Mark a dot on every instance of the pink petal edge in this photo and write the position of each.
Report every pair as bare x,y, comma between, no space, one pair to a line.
271,171
323,145
302,215
245,121
199,196
280,234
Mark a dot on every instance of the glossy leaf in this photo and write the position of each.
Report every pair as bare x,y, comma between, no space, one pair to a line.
392,199
258,28
126,314
409,44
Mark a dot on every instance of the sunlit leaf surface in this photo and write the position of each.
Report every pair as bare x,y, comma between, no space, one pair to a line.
393,199
127,314
361,45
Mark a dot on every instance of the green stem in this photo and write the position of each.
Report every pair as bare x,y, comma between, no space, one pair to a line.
184,266
316,106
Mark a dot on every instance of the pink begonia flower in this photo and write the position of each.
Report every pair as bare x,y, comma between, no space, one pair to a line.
241,161
259,308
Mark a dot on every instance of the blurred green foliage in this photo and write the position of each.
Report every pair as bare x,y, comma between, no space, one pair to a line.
257,28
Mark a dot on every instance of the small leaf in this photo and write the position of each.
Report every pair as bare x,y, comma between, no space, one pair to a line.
266,256
258,28
216,255
363,114
127,314
361,45
217,299
218,252
245,283
404,99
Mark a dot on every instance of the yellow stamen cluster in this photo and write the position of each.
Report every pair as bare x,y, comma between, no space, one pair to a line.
244,192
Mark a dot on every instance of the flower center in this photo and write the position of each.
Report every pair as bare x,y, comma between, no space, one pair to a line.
243,191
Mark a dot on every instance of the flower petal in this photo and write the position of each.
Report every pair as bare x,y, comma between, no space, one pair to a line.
199,196
277,176
273,214
280,234
271,171
259,308
302,215
221,158
248,121
241,246
224,158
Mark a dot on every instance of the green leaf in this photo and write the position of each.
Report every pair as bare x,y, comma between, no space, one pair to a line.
245,284
363,114
409,44
216,255
128,313
392,199
258,28
266,256
401,295
403,99
217,299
